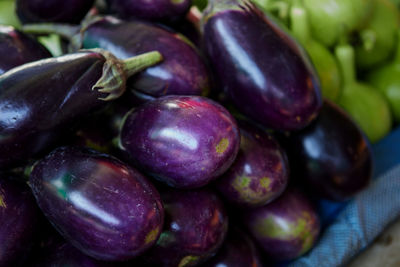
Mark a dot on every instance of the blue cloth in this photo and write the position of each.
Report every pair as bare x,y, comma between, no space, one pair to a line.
351,226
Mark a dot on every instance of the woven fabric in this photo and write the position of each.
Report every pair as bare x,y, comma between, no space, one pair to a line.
358,224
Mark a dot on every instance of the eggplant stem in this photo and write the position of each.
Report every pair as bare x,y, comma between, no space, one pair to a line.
66,31
345,56
138,63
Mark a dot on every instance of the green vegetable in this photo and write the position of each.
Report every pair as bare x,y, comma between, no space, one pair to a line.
387,80
379,38
323,60
7,13
53,43
200,4
331,19
278,8
396,2
365,104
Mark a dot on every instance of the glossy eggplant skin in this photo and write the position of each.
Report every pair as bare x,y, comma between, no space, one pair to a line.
155,10
102,206
188,29
238,250
332,155
196,225
183,141
19,221
19,48
66,255
39,100
260,67
182,72
286,228
71,11
260,172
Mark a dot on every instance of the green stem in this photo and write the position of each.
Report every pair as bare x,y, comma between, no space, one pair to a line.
368,38
279,7
299,22
112,82
64,30
345,56
397,52
138,63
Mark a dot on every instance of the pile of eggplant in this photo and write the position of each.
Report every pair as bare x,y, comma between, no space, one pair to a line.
156,133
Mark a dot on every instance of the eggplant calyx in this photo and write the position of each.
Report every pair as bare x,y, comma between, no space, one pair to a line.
116,71
113,78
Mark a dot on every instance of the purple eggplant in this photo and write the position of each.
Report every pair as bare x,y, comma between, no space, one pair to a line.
286,228
260,171
183,141
238,250
332,156
195,227
155,10
97,131
39,100
182,72
19,48
99,204
19,220
71,11
189,29
66,255
262,69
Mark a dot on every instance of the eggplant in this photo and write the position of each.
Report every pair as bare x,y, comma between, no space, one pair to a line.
196,224
183,141
40,100
182,72
97,131
71,11
332,157
189,28
102,206
260,172
19,217
66,255
238,250
265,73
155,10
19,47
286,228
